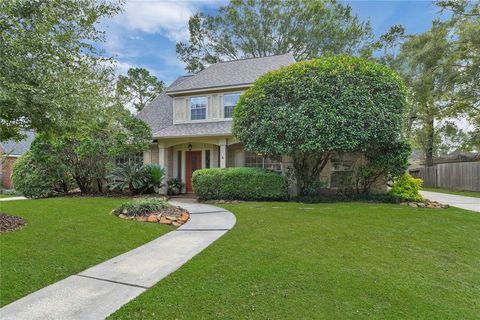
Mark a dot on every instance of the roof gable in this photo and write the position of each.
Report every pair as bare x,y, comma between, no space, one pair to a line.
158,114
230,73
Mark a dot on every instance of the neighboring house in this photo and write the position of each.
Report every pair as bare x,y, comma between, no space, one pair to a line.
191,123
10,151
458,156
417,159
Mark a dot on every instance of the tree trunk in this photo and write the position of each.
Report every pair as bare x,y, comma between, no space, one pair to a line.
307,171
430,136
82,184
99,185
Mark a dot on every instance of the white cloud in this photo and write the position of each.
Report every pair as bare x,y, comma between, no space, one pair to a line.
165,17
122,67
145,33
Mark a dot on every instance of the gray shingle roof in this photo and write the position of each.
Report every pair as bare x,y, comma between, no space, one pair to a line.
18,148
158,114
231,73
196,129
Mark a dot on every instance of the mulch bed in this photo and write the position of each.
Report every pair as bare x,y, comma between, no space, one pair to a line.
10,223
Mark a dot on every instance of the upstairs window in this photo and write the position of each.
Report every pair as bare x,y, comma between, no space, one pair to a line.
198,108
229,103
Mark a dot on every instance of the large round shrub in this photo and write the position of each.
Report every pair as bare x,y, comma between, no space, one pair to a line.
312,109
30,179
40,172
239,184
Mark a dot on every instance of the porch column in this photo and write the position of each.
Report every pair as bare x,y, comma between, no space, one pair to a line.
161,155
147,157
223,153
163,162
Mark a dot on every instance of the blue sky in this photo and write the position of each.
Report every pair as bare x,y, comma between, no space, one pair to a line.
144,35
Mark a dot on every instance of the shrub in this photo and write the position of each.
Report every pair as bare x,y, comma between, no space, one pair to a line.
385,162
239,184
141,207
366,197
9,192
407,187
37,178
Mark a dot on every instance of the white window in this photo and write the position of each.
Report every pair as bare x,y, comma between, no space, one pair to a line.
253,159
342,170
198,108
229,103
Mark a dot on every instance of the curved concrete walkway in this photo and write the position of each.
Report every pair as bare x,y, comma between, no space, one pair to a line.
13,198
100,290
467,203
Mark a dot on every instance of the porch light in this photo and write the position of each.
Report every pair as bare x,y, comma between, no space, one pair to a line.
189,147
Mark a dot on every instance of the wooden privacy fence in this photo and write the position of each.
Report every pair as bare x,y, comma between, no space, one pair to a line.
453,176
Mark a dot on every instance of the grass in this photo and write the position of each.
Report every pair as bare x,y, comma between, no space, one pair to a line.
7,195
474,194
63,236
327,261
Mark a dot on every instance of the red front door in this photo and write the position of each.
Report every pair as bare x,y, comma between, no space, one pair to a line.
194,162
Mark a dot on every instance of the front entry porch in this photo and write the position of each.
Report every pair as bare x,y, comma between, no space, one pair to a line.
181,157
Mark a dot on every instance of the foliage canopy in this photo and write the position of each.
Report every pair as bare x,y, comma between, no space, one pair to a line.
312,109
48,62
258,28
138,87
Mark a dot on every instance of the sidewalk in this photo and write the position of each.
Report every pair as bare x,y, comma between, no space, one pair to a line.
468,203
13,198
102,289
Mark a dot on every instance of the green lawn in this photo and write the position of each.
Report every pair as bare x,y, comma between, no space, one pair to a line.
458,193
327,261
7,195
63,236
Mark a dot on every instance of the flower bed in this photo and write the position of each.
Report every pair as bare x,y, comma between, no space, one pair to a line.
10,223
152,210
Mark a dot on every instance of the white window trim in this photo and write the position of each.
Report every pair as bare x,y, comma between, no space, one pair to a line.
190,109
223,102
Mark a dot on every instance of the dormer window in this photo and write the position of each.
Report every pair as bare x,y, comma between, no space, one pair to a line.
229,103
198,108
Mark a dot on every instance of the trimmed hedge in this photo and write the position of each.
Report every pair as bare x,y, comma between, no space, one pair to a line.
239,184
364,197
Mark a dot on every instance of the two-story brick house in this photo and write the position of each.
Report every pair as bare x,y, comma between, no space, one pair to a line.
191,123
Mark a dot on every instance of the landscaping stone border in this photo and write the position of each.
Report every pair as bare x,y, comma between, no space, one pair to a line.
157,217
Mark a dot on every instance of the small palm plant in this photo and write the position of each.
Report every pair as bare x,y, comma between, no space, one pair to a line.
129,175
136,177
155,175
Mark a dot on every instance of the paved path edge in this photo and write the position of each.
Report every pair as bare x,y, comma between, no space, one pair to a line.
462,202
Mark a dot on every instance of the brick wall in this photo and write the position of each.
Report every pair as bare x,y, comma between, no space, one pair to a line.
7,169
